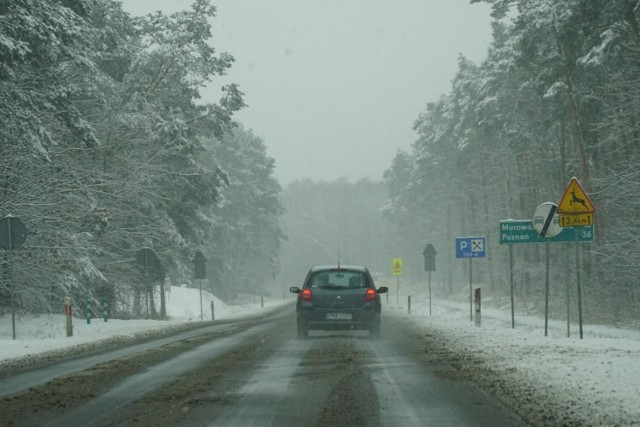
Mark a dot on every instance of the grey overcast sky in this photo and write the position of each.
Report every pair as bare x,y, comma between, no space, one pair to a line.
333,87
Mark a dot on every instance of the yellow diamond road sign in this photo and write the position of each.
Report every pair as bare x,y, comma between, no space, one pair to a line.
575,200
396,266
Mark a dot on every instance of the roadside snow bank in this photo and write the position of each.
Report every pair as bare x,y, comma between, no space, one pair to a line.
45,333
552,380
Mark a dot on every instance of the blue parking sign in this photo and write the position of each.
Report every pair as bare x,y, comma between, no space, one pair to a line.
470,247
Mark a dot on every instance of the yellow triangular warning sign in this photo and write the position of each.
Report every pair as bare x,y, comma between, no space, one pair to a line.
575,200
396,266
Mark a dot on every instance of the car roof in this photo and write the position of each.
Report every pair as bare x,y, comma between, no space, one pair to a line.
338,267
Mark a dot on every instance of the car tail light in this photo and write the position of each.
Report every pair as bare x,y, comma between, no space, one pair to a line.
371,295
305,295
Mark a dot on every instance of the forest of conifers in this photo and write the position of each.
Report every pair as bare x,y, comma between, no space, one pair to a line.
557,96
106,148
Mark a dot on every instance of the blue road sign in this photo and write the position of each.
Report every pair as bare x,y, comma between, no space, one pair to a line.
470,247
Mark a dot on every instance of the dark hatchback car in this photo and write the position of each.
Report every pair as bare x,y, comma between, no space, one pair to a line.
338,297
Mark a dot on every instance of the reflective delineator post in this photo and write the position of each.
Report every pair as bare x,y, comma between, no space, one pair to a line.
478,309
89,311
409,304
213,316
105,310
69,316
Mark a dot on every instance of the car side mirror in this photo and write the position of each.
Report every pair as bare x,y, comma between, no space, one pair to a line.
294,290
383,290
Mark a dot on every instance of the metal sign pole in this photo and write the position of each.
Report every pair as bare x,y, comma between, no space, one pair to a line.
429,254
146,291
13,292
568,313
577,210
546,294
470,289
579,284
146,283
201,300
478,307
429,292
15,235
513,321
398,290
569,302
9,276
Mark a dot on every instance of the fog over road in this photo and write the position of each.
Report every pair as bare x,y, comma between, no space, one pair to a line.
255,372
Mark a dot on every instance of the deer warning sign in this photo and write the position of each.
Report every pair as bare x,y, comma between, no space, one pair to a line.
575,200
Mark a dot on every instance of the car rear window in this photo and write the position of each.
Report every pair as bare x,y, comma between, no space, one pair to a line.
339,279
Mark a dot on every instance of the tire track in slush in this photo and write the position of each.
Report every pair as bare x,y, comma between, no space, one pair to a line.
99,409
415,392
266,393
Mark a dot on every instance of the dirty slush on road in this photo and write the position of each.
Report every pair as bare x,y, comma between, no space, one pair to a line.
337,382
202,394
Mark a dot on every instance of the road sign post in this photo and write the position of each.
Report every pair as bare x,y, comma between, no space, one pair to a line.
577,210
429,254
199,273
68,316
13,234
516,232
89,311
147,258
396,270
478,308
470,247
545,222
513,314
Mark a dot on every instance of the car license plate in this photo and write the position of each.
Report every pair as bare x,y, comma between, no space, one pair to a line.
338,316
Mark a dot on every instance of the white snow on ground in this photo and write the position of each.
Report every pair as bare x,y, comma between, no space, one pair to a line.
593,381
38,334
597,378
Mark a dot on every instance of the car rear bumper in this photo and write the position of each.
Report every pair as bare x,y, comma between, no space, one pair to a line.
317,318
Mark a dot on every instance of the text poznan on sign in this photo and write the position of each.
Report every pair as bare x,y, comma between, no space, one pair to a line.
522,231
